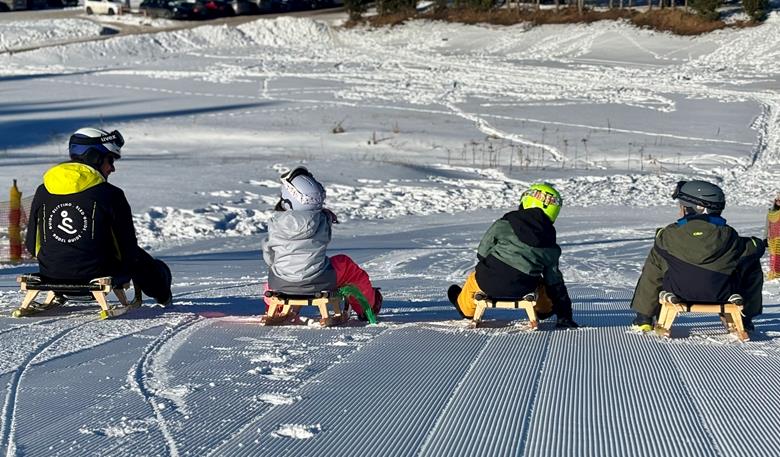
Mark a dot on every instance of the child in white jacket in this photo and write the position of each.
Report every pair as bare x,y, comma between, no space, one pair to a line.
296,243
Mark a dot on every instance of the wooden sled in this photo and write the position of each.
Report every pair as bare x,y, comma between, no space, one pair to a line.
291,304
483,301
730,315
98,288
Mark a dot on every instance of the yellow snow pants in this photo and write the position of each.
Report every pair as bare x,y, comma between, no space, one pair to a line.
467,305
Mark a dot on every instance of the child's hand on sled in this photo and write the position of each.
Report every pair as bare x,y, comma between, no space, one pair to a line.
331,215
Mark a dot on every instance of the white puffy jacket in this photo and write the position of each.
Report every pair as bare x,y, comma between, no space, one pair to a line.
295,246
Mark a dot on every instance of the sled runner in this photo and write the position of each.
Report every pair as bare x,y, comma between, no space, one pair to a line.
671,306
57,293
284,308
483,301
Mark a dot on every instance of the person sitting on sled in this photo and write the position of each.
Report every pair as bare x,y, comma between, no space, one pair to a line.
298,236
519,255
81,227
699,258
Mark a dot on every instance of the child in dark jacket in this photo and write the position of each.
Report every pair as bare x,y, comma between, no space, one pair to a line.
700,258
295,245
519,255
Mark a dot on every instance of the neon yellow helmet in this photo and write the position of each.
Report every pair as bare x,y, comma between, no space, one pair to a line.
544,196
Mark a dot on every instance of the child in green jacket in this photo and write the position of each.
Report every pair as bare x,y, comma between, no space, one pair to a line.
519,255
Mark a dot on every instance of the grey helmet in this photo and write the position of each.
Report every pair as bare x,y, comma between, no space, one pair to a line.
701,196
300,191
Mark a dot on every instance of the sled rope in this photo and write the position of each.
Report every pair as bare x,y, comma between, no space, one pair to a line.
352,291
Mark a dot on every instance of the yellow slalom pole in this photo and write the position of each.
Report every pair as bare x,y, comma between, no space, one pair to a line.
773,240
14,224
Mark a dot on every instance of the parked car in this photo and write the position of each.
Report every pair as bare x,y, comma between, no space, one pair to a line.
13,5
157,8
184,10
243,7
110,7
283,6
211,9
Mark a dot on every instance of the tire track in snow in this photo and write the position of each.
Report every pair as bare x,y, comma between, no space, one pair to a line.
12,396
138,377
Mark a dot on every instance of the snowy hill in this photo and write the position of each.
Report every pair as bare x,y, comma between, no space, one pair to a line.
444,126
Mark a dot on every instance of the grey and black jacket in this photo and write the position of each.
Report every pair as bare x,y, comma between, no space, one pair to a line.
701,259
294,250
517,254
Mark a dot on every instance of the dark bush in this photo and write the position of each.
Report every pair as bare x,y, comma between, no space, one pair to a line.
756,9
708,9
478,5
385,7
355,9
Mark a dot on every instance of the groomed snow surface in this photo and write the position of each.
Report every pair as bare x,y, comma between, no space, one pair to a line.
443,126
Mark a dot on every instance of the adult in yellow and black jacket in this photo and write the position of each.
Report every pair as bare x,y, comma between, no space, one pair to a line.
700,258
81,226
519,255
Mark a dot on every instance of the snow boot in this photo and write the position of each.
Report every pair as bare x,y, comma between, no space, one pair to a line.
642,322
378,299
566,322
545,315
377,306
452,293
747,322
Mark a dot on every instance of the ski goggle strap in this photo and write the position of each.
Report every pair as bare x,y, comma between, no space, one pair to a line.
677,189
678,194
292,174
545,197
110,143
114,137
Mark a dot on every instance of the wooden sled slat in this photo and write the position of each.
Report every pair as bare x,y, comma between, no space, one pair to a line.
291,304
98,288
527,303
730,315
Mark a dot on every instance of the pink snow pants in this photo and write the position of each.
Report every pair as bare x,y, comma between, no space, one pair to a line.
348,272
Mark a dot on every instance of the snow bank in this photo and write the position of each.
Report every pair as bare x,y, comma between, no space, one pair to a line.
19,34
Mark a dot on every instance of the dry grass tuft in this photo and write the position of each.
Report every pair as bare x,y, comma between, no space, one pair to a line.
675,20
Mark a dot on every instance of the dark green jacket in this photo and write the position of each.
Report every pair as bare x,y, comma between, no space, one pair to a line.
701,259
518,252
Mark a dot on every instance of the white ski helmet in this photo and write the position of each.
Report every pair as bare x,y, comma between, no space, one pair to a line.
90,145
301,192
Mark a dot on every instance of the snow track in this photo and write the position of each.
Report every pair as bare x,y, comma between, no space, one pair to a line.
139,377
12,395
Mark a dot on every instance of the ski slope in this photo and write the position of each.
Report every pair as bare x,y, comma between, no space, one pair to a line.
444,126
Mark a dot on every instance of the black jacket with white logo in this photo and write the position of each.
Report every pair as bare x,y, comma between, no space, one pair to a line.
81,227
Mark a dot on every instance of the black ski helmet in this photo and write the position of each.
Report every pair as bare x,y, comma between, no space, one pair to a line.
702,196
